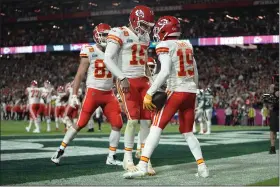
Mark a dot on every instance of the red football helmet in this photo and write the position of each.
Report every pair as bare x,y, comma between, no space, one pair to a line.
100,34
34,83
60,89
166,26
141,19
152,65
47,84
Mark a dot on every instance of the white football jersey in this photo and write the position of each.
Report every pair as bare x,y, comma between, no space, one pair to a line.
133,52
182,72
47,94
34,95
58,97
98,76
69,90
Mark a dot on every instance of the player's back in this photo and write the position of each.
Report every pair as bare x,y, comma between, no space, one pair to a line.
98,76
182,72
208,100
34,95
133,53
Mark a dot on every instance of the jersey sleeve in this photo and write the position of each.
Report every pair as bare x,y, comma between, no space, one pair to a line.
162,48
116,36
86,50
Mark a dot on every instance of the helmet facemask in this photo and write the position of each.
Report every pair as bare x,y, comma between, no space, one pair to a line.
101,38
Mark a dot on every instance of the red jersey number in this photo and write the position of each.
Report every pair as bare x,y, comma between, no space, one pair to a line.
100,70
138,54
185,58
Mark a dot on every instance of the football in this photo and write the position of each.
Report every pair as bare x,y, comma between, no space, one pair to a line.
159,99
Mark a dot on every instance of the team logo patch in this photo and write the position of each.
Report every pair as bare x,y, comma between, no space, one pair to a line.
139,13
129,41
94,55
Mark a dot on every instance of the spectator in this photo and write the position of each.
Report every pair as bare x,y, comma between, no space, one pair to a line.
265,114
228,113
251,116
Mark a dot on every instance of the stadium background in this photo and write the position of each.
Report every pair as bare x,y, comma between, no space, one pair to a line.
237,51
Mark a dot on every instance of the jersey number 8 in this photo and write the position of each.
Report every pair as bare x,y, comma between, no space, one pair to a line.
100,70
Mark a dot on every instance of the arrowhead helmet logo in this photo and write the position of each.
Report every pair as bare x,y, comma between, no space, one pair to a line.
139,13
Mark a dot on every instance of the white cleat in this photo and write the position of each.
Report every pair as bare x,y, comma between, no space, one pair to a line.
48,130
57,156
138,172
27,129
112,160
128,164
36,131
201,132
151,170
202,171
208,132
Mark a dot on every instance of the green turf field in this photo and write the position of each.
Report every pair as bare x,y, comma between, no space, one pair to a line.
234,155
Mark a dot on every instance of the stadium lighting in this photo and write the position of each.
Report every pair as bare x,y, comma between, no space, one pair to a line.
211,20
261,17
116,4
2,14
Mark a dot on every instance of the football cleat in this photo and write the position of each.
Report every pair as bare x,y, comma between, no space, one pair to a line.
57,156
272,150
27,129
208,132
202,171
138,172
36,131
151,170
128,164
112,160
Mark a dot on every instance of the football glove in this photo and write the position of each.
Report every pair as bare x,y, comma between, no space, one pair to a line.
147,103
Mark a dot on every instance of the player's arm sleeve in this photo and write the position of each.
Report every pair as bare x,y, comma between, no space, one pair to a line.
195,72
111,53
85,50
165,60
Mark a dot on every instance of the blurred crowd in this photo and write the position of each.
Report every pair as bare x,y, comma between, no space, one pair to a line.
37,8
210,23
236,76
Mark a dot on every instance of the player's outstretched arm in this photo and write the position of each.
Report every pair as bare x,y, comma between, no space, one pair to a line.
111,53
195,73
162,76
83,67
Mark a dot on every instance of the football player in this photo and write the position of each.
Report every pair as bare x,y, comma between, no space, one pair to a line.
208,109
99,93
178,67
59,108
34,95
47,92
198,111
125,56
71,111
